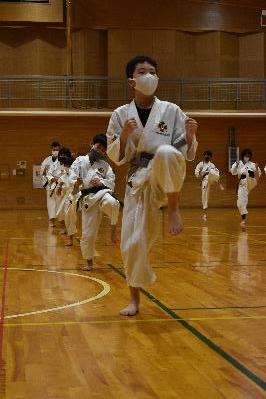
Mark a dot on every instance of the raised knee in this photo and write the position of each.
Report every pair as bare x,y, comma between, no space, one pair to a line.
166,149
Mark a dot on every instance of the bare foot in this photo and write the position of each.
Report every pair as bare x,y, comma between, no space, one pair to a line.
131,310
89,266
174,222
69,242
114,238
243,224
204,217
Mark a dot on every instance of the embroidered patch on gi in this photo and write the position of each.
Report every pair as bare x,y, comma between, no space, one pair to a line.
101,170
163,129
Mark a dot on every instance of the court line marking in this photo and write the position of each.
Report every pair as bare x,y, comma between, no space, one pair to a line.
2,314
223,308
203,338
106,289
126,321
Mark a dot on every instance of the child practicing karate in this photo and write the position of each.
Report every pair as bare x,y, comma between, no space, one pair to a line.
156,138
209,175
55,171
248,174
66,208
96,198
50,162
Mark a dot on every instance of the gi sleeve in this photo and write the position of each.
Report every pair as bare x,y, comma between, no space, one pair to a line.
109,180
113,139
234,169
179,138
198,169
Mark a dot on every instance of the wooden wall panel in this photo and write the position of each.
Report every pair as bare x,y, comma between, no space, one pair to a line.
229,55
26,12
189,15
89,52
252,55
125,44
33,51
28,138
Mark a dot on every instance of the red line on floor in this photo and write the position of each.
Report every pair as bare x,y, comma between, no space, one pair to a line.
2,314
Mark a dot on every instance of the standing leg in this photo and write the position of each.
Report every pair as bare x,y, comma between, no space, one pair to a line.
71,221
242,202
51,207
205,197
141,215
91,220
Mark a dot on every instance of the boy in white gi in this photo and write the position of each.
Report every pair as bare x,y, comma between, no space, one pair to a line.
50,161
55,171
248,173
96,198
157,138
209,174
66,207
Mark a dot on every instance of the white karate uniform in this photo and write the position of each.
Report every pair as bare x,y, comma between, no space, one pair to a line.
147,186
210,174
56,170
94,205
67,207
245,184
81,166
50,197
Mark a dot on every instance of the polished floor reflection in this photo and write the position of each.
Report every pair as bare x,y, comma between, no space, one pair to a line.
200,332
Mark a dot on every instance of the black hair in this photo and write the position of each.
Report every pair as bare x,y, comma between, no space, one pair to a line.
101,139
55,144
246,152
68,161
139,59
208,152
63,154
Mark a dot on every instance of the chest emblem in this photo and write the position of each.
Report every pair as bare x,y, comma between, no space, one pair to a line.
163,129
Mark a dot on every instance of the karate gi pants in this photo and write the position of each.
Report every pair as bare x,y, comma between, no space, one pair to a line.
141,214
91,220
244,188
51,204
207,182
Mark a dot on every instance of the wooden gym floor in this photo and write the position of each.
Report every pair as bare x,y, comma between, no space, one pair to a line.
200,333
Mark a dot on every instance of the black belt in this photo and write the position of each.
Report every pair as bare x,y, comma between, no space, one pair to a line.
91,190
250,174
142,160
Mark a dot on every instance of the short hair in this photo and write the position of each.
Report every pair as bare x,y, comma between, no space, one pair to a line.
68,161
208,152
139,59
246,152
55,144
101,139
65,152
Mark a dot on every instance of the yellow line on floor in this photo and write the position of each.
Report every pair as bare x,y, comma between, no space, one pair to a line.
128,320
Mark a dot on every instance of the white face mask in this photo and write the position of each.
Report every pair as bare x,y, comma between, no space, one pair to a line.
146,84
55,153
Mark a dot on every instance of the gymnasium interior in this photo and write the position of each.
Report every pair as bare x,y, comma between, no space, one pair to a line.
200,332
